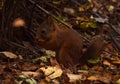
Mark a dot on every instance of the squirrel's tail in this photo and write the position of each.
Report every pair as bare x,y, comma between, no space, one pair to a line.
93,50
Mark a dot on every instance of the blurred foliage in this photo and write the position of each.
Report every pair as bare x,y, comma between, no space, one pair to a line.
86,22
1,5
57,2
94,61
86,7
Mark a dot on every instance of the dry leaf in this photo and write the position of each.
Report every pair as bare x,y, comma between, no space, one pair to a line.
111,8
106,63
43,82
9,54
50,53
116,62
118,81
104,77
28,66
69,10
52,72
101,20
92,78
74,77
30,73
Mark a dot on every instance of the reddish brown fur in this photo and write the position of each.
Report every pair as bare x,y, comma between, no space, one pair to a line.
67,43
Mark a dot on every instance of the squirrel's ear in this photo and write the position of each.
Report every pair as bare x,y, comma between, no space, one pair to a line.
53,23
50,20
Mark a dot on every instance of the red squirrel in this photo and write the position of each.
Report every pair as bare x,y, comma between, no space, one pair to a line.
67,43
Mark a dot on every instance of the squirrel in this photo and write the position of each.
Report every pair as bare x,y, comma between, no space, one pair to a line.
67,43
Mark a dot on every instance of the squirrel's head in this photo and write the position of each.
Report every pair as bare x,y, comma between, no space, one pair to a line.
46,29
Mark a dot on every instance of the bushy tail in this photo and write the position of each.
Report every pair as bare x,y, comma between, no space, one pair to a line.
93,50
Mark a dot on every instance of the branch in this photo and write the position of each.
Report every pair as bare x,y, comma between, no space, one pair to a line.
47,12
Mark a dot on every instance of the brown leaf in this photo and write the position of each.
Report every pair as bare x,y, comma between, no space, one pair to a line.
30,73
52,72
28,66
106,63
92,78
116,62
74,77
43,82
9,54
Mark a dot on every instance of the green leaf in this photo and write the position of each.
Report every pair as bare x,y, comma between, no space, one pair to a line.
94,61
21,77
1,5
31,81
57,2
93,25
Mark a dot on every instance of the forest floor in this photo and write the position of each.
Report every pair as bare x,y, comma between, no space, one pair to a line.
24,62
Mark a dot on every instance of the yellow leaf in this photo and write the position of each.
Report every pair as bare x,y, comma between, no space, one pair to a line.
92,78
116,62
111,8
52,72
81,9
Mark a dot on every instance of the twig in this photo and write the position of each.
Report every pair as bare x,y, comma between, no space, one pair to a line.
113,27
83,5
117,44
47,12
111,53
49,4
41,8
13,43
107,22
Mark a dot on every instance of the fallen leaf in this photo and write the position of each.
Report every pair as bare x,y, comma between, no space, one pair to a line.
43,82
31,81
118,81
82,71
101,20
55,81
25,80
52,72
50,53
69,10
74,77
115,79
94,61
96,68
106,63
104,77
116,62
9,54
114,0
111,8
92,78
28,66
30,73
21,77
